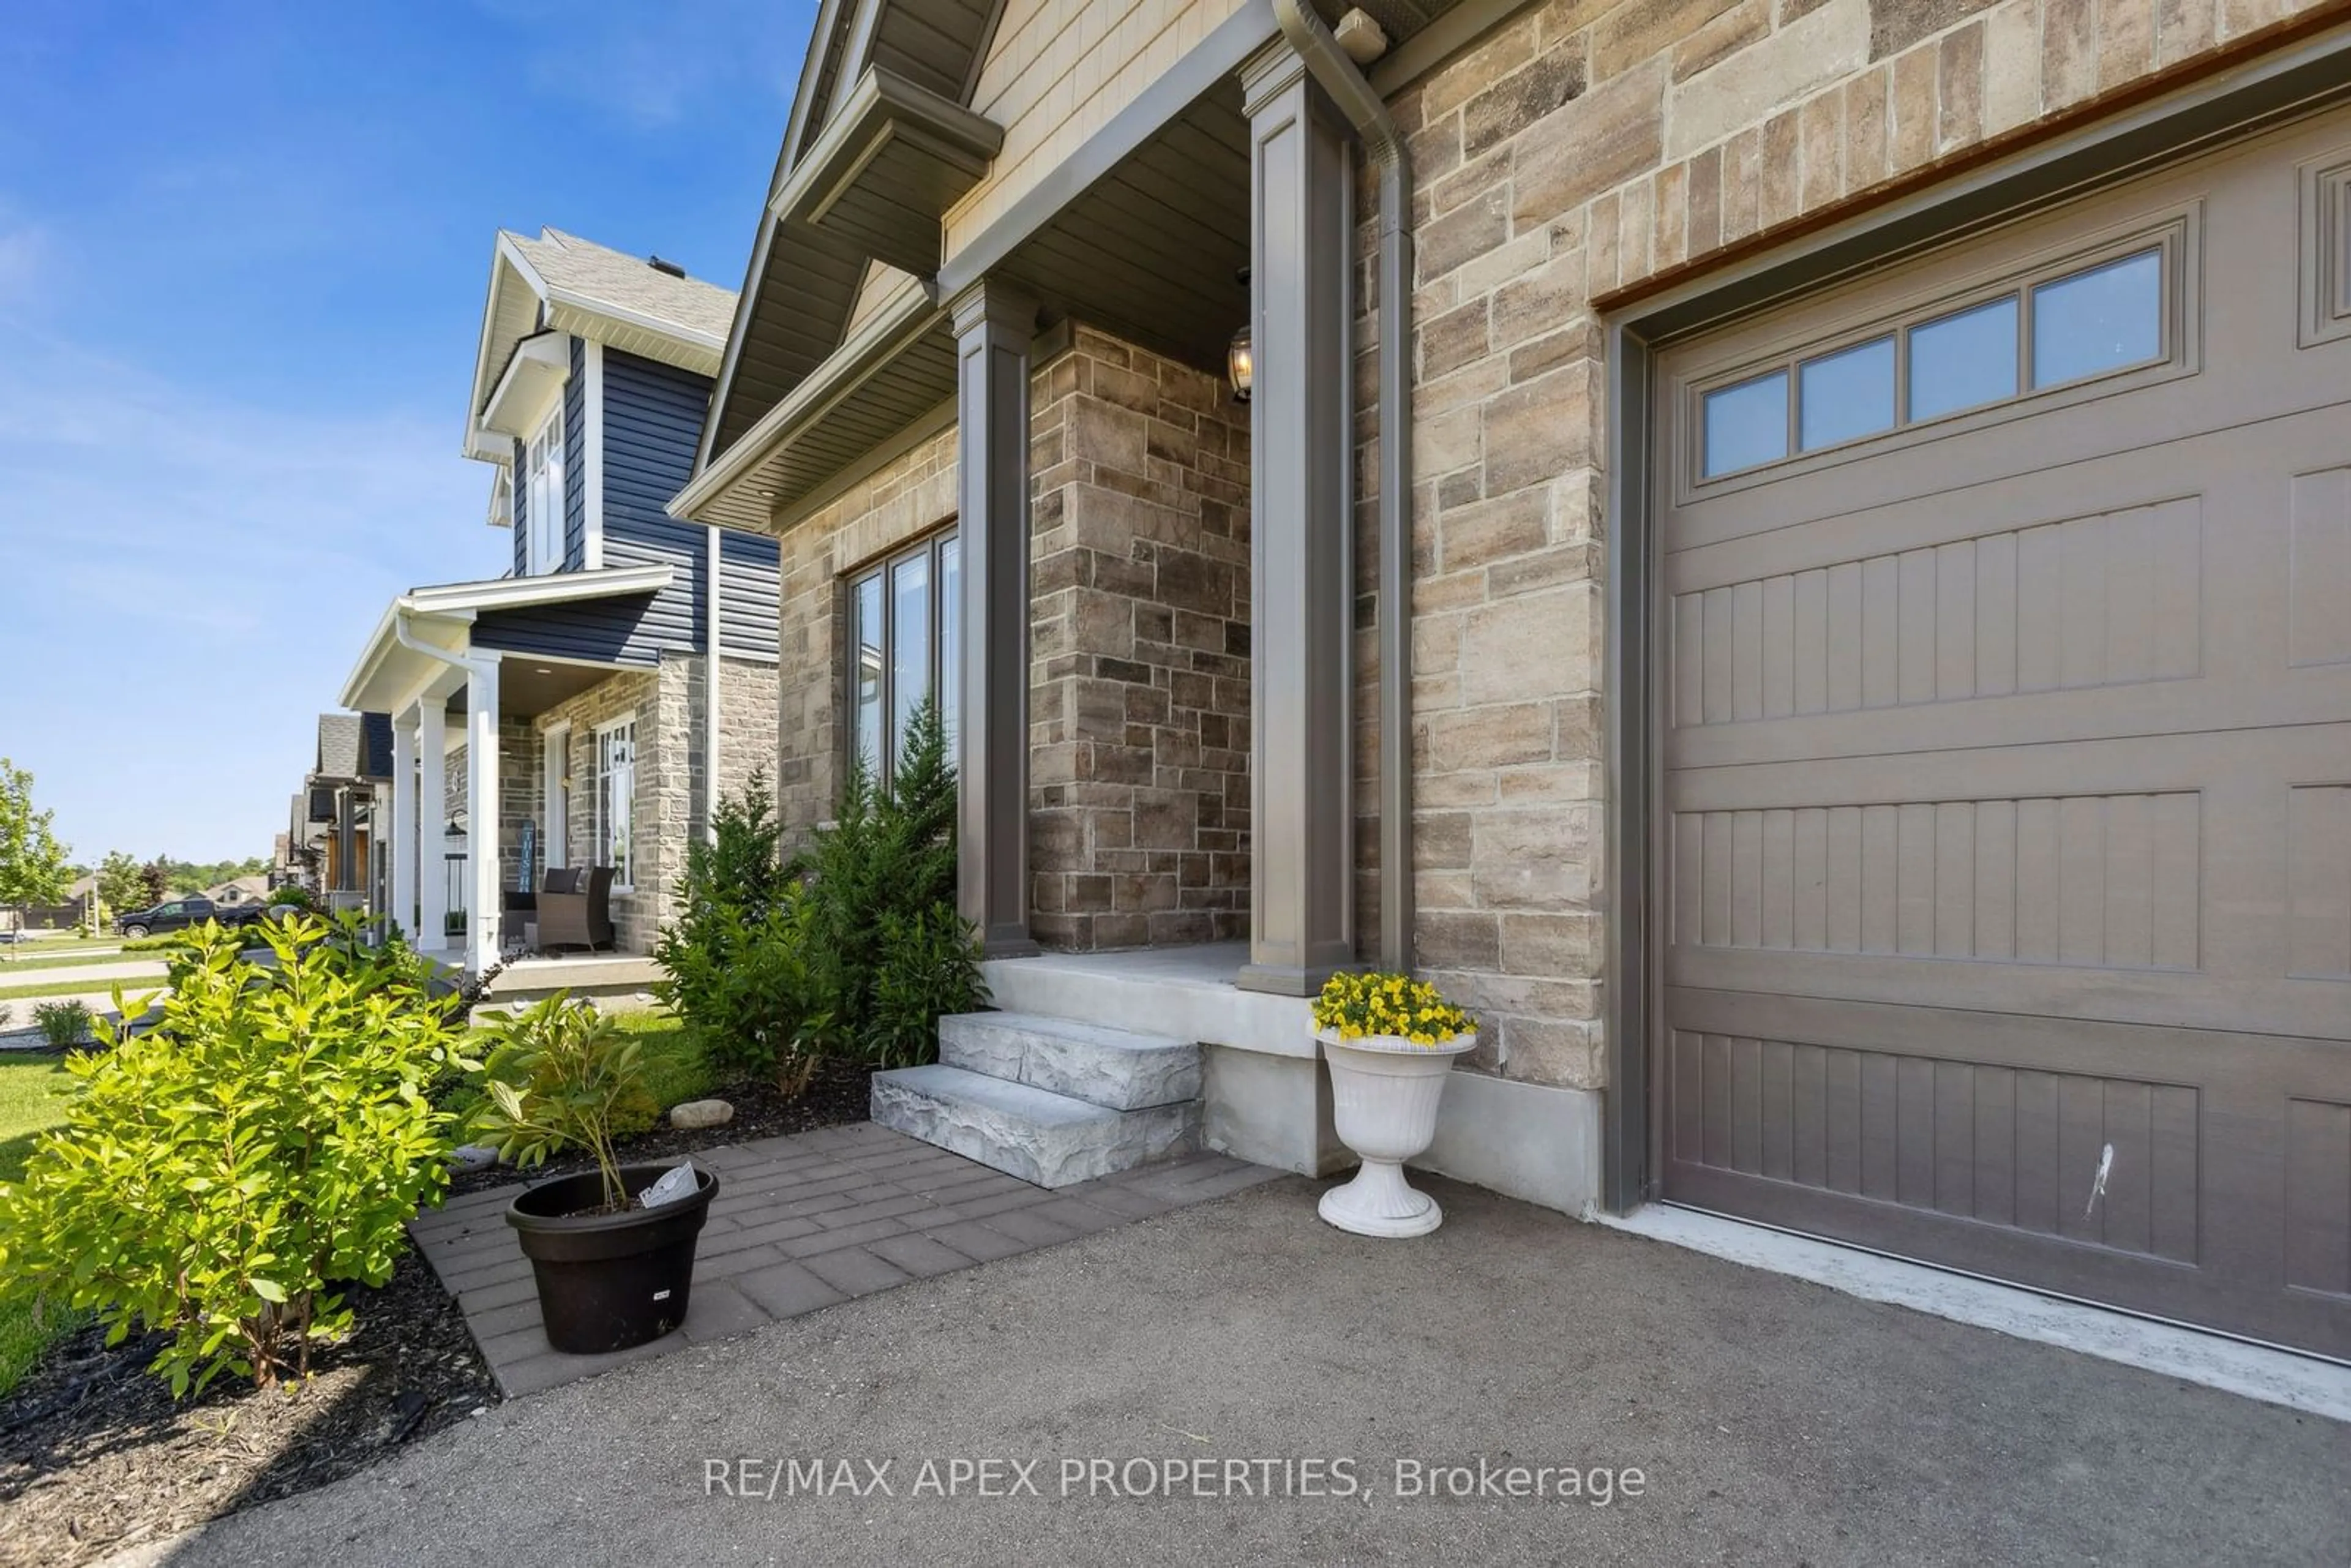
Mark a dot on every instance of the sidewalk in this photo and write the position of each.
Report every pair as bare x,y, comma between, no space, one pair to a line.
1773,1420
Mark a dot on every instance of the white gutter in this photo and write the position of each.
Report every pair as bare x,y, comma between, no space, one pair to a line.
1339,77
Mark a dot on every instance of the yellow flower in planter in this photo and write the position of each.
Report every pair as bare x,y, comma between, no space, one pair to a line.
1358,1005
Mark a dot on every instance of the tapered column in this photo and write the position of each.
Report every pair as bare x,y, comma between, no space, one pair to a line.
1302,833
405,833
993,325
432,816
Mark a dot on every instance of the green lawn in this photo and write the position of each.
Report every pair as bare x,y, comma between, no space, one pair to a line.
69,986
32,1095
64,942
66,960
675,1069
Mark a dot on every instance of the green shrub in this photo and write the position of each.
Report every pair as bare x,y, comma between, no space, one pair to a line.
569,1075
928,967
736,962
887,950
293,895
854,946
64,1024
270,1137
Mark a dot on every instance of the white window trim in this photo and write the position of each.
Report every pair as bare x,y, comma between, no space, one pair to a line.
537,516
591,454
555,809
603,844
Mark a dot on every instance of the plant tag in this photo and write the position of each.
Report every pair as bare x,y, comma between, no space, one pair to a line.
675,1183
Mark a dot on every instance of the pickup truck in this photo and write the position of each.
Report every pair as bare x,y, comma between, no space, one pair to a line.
179,914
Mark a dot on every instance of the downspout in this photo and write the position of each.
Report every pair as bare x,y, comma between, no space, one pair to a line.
1338,76
710,691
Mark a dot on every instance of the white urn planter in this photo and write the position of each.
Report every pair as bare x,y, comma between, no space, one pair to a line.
1383,1096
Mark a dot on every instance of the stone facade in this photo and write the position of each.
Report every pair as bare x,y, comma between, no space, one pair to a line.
666,809
1139,691
1576,150
1139,642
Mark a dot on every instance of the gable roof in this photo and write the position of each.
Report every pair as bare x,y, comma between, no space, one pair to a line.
558,281
354,746
803,281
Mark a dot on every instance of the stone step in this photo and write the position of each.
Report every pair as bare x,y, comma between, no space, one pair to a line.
1034,1133
1114,1068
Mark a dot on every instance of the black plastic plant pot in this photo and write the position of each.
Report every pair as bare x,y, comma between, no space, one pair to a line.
607,1281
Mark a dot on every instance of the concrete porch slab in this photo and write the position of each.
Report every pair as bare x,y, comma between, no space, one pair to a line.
1187,992
803,1222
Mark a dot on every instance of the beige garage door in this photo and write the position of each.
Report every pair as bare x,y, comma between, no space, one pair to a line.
2006,693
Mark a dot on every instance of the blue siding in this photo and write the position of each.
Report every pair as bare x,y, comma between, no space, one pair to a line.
576,436
652,418
751,578
628,630
521,515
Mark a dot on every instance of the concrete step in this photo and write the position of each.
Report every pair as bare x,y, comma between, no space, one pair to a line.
1033,1133
1114,1068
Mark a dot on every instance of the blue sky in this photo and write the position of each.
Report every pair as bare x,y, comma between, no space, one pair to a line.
244,250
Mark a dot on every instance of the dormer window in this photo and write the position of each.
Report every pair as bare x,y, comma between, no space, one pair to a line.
543,494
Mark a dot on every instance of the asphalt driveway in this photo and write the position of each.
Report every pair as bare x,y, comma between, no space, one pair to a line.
1770,1420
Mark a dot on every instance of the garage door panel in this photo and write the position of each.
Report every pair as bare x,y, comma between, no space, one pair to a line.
2209,1295
1889,772
2055,991
2004,821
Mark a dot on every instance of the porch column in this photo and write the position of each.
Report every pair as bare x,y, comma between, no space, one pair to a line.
433,814
404,836
993,324
482,814
1302,833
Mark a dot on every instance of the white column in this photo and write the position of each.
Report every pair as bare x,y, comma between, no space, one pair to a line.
433,815
482,814
404,837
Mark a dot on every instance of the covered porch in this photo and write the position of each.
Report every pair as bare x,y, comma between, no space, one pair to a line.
484,796
1177,669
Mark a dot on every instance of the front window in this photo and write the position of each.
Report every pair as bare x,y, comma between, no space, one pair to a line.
543,494
905,619
616,789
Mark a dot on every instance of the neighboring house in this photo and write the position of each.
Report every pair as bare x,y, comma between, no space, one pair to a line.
239,890
343,798
572,704
1790,556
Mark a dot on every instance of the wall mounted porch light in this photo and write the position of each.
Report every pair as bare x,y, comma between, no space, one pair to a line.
1240,366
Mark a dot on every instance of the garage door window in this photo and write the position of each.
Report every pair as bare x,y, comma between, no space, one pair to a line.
1964,360
2106,318
2062,326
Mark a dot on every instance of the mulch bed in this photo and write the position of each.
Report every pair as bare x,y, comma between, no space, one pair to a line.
95,1457
839,1093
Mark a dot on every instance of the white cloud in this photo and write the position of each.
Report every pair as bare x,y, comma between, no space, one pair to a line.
186,582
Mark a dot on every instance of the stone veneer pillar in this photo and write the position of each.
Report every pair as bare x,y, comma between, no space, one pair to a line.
1301,897
993,325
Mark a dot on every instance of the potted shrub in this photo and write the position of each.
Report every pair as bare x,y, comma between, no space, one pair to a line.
611,1272
1390,1041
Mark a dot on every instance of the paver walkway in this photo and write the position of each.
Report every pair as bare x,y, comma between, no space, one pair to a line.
802,1222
